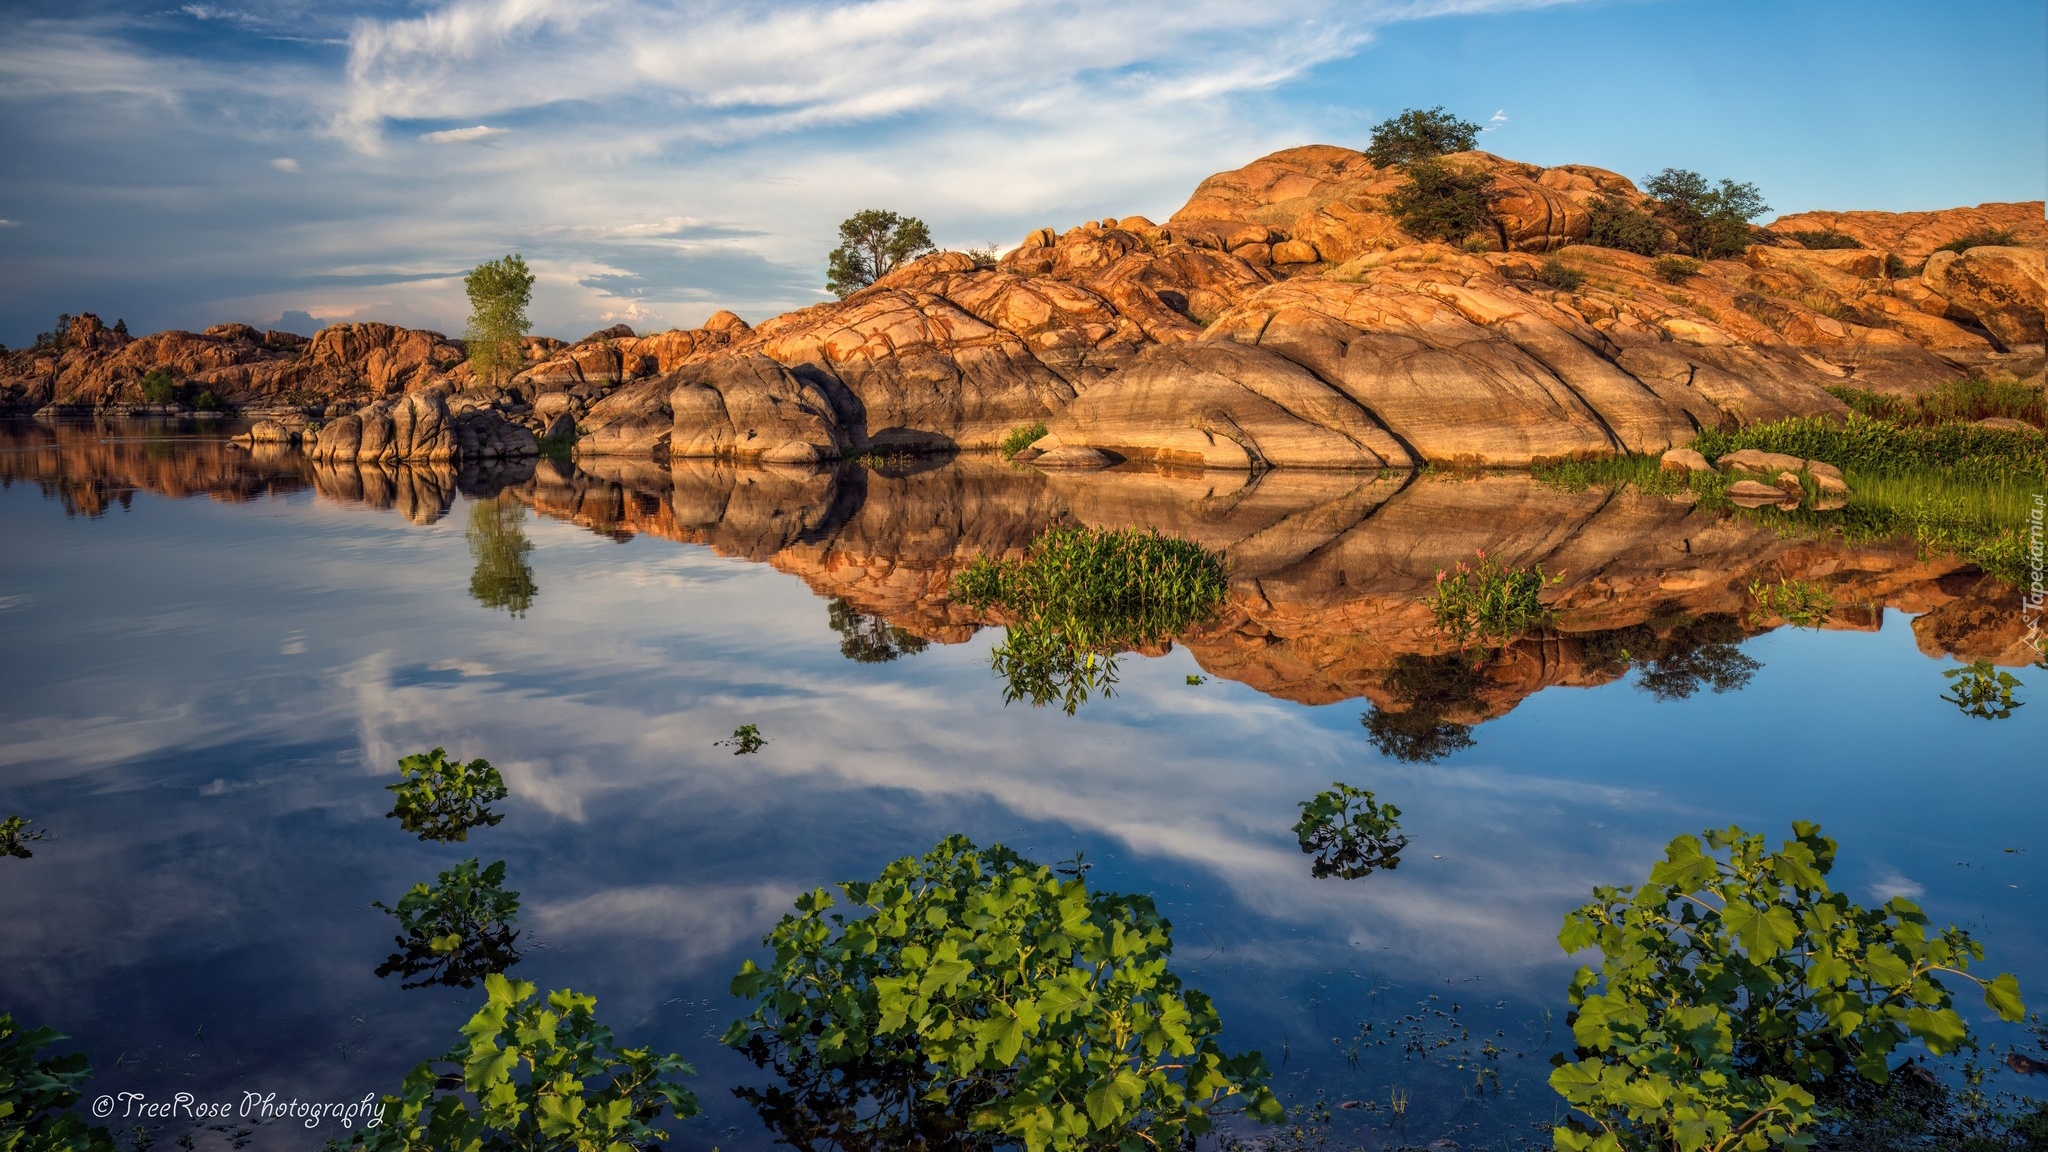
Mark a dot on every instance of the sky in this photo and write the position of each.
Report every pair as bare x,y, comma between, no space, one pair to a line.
293,162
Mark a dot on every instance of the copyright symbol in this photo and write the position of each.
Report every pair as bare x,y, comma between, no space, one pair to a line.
103,1107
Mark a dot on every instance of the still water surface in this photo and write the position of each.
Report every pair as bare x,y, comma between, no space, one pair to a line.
213,664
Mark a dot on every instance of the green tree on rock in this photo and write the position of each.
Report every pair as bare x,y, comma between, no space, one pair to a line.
499,291
1417,135
1710,220
872,244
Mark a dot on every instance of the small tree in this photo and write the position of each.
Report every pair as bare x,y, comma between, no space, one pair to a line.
499,291
1414,135
1616,223
158,387
872,244
1441,203
1710,220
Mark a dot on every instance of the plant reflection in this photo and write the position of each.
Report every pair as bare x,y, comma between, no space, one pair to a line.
497,542
1677,658
866,639
1982,690
1350,833
1427,689
456,931
440,799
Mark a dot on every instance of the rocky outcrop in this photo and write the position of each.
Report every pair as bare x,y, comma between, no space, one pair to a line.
418,427
1914,236
2004,290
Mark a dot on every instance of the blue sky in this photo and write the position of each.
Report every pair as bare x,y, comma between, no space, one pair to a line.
656,160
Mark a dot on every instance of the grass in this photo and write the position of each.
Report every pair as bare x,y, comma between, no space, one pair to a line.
1019,439
1489,601
1879,447
1675,269
1800,603
1560,275
879,458
560,448
1971,398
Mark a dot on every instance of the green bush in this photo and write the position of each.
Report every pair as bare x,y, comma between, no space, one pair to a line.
744,741
1560,275
1965,451
1982,238
1710,220
1489,602
1018,439
206,401
1675,269
1416,135
1350,833
16,836
158,387
456,931
439,799
1735,988
1982,691
1440,203
1823,239
977,983
1616,223
578,1090
1800,603
1968,399
36,1093
1898,269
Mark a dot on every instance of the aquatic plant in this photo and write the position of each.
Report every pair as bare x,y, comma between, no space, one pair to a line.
1982,690
1970,398
1879,447
1800,603
1736,988
1018,439
866,639
1195,681
1350,833
533,1074
1489,602
16,836
497,543
37,1092
440,799
979,993
455,931
744,741
1080,595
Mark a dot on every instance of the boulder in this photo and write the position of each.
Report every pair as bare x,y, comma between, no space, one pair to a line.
1752,494
2005,290
1684,460
1756,460
1072,456
1788,483
1294,252
2006,424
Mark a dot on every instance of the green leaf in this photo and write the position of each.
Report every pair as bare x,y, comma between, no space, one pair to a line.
2002,995
1762,932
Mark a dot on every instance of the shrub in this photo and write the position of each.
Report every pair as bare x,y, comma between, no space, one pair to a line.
1018,439
979,984
1897,269
1489,601
744,741
1675,269
578,1090
206,401
1735,988
1800,603
1616,223
16,836
1709,220
1416,135
454,932
986,256
1982,238
1560,275
1983,691
158,387
1823,239
1440,203
439,799
1350,834
57,337
36,1093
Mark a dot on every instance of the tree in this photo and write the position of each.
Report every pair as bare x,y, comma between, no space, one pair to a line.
497,542
872,244
1710,220
1416,135
499,291
1616,223
1441,203
868,639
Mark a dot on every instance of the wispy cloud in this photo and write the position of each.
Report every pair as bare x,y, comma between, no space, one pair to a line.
476,135
285,164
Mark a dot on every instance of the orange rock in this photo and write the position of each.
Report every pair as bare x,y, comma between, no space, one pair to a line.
1915,235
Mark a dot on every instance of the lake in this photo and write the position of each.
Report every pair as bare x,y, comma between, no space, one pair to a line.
216,658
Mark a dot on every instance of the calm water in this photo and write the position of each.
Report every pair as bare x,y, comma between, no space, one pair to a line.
213,663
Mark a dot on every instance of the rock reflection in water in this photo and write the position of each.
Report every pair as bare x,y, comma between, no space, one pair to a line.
869,639
497,542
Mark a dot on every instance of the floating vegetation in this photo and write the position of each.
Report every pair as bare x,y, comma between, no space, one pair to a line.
1195,681
866,639
744,741
440,799
456,931
497,543
1800,603
1081,595
16,836
977,999
1427,688
1350,833
1489,602
1982,690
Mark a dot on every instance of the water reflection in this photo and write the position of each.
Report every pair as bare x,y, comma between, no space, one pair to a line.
1982,691
1427,691
498,544
455,931
867,639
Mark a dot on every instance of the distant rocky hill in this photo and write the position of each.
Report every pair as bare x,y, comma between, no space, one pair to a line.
1281,317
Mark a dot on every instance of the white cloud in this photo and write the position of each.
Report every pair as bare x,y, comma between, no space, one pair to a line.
474,135
285,164
1894,884
1496,120
10,223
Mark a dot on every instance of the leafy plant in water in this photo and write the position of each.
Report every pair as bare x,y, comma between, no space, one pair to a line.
1195,681
1018,439
1489,602
456,931
1800,603
16,836
533,1075
1735,986
1350,833
1982,690
441,799
744,741
980,990
36,1093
